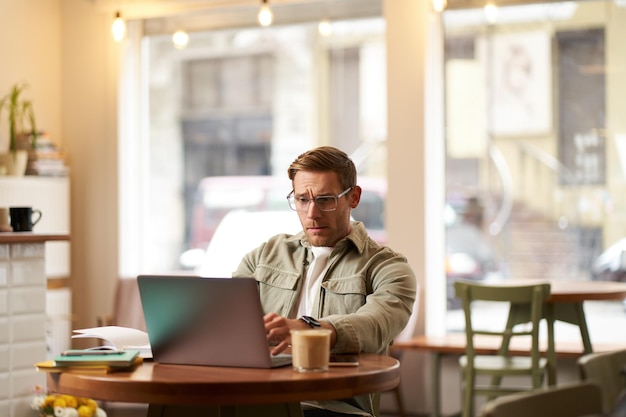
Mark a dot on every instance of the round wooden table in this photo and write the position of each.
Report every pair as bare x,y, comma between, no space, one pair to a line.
566,299
563,291
565,304
172,385
570,291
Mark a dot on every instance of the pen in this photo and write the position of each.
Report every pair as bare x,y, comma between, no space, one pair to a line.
91,352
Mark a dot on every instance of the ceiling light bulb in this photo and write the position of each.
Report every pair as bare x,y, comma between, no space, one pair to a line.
118,29
491,13
265,16
439,5
180,38
325,28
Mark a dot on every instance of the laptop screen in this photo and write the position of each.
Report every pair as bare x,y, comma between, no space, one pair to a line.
204,321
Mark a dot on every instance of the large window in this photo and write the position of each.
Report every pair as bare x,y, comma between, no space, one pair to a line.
530,97
534,132
236,106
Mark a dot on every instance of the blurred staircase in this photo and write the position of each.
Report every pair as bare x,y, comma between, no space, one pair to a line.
535,247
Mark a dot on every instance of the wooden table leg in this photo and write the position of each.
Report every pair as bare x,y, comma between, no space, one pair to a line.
551,345
435,377
584,330
574,313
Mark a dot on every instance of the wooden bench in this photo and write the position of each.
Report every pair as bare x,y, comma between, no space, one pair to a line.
454,344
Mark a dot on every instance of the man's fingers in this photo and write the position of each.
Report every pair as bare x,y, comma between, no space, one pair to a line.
280,347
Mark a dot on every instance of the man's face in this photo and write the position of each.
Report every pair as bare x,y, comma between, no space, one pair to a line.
324,228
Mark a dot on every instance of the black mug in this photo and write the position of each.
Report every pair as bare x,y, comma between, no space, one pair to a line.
22,218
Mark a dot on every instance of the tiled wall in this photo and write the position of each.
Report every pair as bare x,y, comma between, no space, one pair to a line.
22,325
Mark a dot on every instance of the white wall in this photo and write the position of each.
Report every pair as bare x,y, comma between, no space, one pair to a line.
30,48
89,62
63,51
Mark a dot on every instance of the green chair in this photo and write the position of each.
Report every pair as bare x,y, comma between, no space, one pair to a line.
571,400
607,369
495,367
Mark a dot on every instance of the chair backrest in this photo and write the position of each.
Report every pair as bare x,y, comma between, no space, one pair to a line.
127,311
571,400
607,370
532,296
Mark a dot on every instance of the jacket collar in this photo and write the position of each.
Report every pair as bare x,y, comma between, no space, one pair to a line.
357,237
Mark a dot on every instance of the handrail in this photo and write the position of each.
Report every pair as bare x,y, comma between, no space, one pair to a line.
503,170
549,161
361,155
502,217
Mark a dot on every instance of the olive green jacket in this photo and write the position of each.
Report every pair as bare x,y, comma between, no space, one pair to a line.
367,293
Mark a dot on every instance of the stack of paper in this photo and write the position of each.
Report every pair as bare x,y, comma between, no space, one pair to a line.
119,337
92,361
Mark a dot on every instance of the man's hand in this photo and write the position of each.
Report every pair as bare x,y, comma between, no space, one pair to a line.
278,327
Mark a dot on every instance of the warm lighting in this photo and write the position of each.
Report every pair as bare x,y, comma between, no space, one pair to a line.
325,28
439,5
491,13
180,38
118,29
265,16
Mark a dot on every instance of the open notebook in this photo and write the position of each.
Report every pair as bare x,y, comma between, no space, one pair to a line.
206,321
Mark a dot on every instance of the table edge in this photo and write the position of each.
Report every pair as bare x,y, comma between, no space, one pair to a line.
103,387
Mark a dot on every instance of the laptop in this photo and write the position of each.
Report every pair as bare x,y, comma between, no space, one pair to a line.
193,320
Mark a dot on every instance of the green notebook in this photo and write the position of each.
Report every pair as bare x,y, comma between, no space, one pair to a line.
77,357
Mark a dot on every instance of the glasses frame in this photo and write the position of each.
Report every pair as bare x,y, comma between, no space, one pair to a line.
292,203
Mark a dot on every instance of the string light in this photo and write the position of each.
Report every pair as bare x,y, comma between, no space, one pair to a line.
118,28
265,16
180,38
491,13
325,28
439,5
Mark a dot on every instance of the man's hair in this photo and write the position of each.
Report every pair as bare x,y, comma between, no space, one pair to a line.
326,158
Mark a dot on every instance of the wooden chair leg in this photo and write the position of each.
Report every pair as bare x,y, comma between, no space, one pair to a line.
468,395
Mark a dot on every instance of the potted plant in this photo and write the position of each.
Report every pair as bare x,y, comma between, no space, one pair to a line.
21,141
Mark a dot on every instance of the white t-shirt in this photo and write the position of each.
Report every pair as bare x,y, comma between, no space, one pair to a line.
314,276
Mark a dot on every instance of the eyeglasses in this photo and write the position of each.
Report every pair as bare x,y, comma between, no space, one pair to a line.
322,202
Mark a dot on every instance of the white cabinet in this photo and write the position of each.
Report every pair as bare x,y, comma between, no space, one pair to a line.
51,195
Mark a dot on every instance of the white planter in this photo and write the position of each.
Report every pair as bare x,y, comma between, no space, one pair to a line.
14,163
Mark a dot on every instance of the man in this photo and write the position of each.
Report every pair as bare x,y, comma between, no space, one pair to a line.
332,273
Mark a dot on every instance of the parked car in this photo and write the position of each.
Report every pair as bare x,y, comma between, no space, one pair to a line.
468,257
216,196
238,233
611,264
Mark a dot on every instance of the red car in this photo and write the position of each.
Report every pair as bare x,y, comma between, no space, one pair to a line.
216,196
